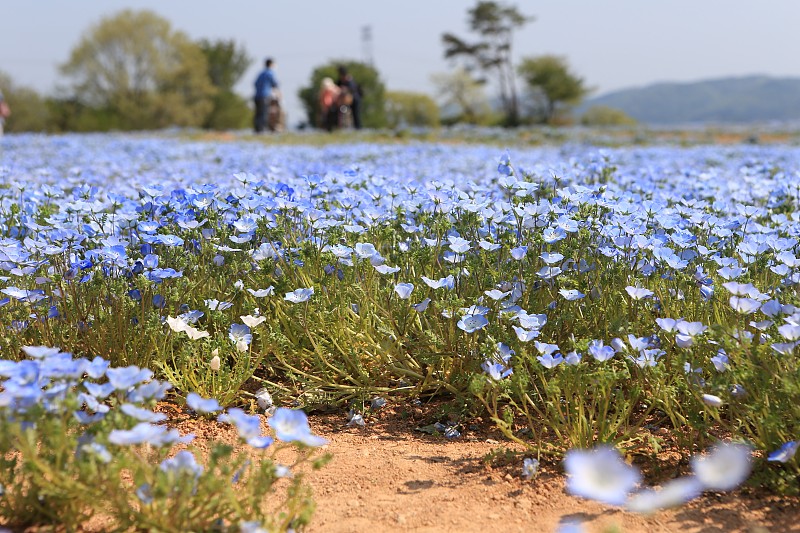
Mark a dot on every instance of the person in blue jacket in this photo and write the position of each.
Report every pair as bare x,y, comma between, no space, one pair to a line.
265,83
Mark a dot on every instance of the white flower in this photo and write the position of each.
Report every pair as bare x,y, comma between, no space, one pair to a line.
176,324
672,494
724,468
712,401
215,362
299,295
600,474
195,333
252,321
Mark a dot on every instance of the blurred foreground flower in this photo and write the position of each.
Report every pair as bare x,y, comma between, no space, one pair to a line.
600,474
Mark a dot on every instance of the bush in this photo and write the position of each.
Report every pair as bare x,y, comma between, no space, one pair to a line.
600,115
411,109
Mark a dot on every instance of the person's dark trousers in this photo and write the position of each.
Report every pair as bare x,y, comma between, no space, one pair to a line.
356,109
260,118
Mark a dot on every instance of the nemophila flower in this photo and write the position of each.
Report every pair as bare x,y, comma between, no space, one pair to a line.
785,348
197,403
404,290
145,493
744,306
195,334
215,305
549,360
240,334
422,306
785,453
673,493
571,294
529,468
638,293
176,324
146,433
142,415
299,295
291,425
519,252
261,293
472,323
790,332
553,234
706,292
488,246
600,474
40,352
495,370
183,462
551,258
725,467
215,362
600,351
252,321
573,358
711,400
525,335
570,525
249,427
532,321
252,526
495,294
667,324
720,361
385,269
123,378
446,283
548,273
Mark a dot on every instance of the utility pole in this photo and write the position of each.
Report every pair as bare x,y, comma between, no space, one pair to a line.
366,44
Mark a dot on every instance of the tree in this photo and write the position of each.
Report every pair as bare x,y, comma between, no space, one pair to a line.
460,92
134,67
226,65
411,109
495,24
551,85
28,108
373,103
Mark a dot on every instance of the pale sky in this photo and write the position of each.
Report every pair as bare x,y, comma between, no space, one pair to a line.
612,44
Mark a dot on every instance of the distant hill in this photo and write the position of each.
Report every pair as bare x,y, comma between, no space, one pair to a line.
731,100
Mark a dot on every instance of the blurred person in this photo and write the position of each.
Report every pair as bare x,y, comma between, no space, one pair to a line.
265,83
351,92
328,104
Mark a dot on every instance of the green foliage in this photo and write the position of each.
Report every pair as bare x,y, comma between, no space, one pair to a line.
28,109
134,67
55,470
600,115
373,102
411,109
460,92
553,88
227,64
494,23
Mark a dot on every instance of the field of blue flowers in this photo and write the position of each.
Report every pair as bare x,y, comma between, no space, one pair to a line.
581,298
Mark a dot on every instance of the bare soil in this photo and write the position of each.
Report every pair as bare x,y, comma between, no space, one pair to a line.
389,477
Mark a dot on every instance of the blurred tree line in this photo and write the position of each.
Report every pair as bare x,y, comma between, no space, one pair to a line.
133,71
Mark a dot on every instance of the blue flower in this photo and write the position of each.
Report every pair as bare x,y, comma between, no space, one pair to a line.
123,378
785,453
291,425
200,405
472,323
146,433
299,295
239,333
403,290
